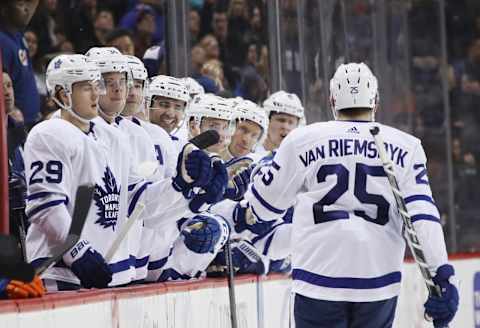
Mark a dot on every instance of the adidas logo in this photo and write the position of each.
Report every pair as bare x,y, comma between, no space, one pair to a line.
353,130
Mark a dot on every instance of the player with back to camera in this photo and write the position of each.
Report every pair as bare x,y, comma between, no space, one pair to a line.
347,234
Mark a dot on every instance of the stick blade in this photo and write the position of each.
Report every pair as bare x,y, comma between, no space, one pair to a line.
205,139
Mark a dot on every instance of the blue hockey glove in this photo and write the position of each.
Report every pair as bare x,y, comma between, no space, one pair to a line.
245,257
198,166
239,185
202,234
88,265
442,309
214,191
241,222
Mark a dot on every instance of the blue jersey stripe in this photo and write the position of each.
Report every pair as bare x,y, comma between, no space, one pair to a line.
136,197
415,198
46,205
425,217
265,203
140,263
350,283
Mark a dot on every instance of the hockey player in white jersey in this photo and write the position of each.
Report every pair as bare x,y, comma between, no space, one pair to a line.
62,154
347,234
165,153
211,112
285,112
167,98
119,81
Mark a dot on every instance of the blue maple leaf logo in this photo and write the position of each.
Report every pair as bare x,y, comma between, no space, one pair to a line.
57,64
107,200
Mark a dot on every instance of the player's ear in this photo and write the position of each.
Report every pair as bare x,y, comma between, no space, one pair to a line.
61,96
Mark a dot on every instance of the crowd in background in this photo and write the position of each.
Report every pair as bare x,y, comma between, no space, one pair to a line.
229,56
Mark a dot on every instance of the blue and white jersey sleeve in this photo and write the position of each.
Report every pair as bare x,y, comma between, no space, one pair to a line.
49,181
422,209
275,186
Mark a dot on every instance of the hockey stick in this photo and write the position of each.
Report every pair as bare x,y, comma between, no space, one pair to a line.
231,284
410,233
202,141
83,200
137,212
11,264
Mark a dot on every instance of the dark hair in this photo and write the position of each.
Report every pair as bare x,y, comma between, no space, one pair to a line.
118,33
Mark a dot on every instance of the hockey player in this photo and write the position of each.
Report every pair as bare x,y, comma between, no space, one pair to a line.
166,98
61,154
285,112
347,234
118,81
165,152
251,124
210,112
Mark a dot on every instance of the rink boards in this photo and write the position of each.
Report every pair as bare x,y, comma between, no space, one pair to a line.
262,302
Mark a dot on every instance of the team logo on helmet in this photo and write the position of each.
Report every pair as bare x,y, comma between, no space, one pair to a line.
107,200
57,64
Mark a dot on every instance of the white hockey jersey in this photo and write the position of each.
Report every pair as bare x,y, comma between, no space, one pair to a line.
347,234
60,157
165,151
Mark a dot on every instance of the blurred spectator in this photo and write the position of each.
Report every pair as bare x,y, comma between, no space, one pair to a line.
44,24
194,26
155,60
213,70
103,25
259,32
15,129
121,39
210,44
427,82
32,45
79,24
198,58
239,33
151,17
14,18
251,87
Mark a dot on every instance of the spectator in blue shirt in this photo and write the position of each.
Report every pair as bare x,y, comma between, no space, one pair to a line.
14,18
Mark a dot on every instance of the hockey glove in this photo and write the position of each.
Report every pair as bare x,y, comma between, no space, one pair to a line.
18,289
88,265
214,191
242,222
442,309
246,258
194,169
238,185
201,234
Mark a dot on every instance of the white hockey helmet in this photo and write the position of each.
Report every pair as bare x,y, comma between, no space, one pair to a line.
353,86
137,68
248,110
284,102
168,87
209,105
65,70
109,59
194,88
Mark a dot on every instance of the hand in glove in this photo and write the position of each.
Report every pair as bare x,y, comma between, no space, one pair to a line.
88,265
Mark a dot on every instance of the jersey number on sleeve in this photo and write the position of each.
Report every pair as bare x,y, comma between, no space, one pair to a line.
362,171
53,172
